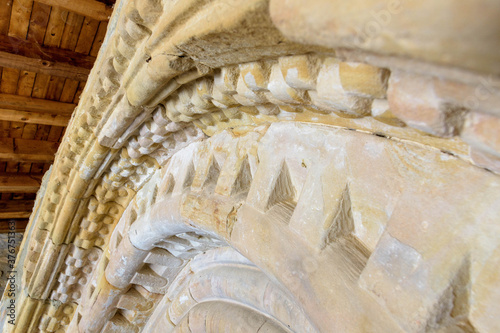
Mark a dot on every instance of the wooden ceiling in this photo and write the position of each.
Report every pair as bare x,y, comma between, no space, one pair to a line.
47,48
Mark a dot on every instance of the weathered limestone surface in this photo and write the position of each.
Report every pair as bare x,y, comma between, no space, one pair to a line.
462,34
222,174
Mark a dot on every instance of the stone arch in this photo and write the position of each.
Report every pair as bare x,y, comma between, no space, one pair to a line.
322,241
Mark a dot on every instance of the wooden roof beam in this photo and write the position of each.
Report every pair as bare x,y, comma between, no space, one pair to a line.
23,150
90,8
34,117
16,209
22,103
20,183
30,56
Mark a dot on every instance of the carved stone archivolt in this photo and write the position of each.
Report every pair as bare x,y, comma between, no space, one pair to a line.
220,174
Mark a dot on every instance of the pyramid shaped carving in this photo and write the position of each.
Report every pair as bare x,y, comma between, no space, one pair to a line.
342,223
212,174
243,179
188,180
283,190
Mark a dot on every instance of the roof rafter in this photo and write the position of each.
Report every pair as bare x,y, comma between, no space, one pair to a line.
24,150
20,183
30,56
16,209
90,8
22,103
34,117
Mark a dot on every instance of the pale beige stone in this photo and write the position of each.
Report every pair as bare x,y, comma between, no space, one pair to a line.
416,101
481,132
422,29
364,79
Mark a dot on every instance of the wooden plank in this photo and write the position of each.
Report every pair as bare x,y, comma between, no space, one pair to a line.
34,117
10,77
32,49
22,150
71,31
16,209
36,33
42,133
55,27
25,83
25,167
55,88
43,67
55,133
20,183
5,12
63,133
87,36
4,129
69,41
91,8
81,86
40,86
19,225
53,37
11,129
99,38
30,196
38,22
16,129
12,167
15,215
69,91
22,103
24,88
19,54
18,27
19,20
4,132
29,129
9,85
